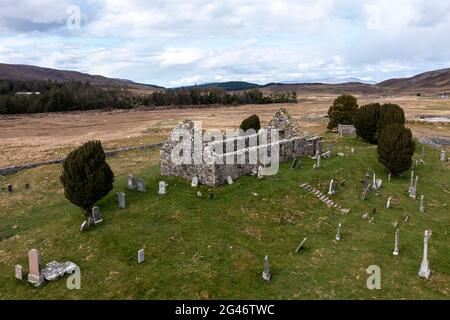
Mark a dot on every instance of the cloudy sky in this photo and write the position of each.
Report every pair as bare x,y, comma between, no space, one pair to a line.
174,42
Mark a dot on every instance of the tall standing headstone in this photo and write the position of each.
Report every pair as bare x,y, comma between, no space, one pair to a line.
34,261
397,241
413,192
260,172
121,198
19,272
141,256
388,204
318,160
422,205
266,271
411,183
338,233
424,271
389,177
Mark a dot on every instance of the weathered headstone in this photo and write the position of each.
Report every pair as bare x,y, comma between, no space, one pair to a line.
141,256
229,180
411,183
260,172
162,188
388,204
266,271
318,159
389,177
338,233
424,271
121,198
141,186
19,272
131,182
83,226
199,194
34,260
194,182
97,215
422,205
397,240
406,219
443,156
332,188
300,246
413,191
10,188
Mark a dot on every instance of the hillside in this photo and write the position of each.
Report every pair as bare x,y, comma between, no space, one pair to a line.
227,86
198,248
437,81
25,72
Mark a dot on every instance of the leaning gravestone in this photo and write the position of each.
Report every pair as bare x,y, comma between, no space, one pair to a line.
141,256
121,198
300,246
19,272
266,271
84,226
229,180
34,276
388,204
141,186
332,188
97,215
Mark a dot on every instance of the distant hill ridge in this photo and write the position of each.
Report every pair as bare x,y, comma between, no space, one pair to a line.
437,81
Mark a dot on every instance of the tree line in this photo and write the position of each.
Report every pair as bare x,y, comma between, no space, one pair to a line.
71,96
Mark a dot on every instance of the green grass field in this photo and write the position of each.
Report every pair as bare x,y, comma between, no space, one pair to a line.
214,249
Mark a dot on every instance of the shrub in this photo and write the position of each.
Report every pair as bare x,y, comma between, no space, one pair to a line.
366,120
86,176
251,122
342,111
396,148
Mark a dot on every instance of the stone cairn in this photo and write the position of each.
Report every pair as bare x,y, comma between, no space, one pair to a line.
322,197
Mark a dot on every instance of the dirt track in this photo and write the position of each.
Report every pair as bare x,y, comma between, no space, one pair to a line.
29,138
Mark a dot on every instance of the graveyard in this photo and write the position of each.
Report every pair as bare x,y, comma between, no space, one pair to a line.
201,248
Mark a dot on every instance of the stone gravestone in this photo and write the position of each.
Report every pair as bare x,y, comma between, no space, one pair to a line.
10,188
84,226
294,163
121,198
332,188
162,188
97,215
413,191
34,260
260,172
388,204
300,246
397,240
27,186
229,180
422,205
131,182
338,233
194,182
389,177
411,183
266,271
19,272
199,194
443,155
141,256
318,159
425,266
141,186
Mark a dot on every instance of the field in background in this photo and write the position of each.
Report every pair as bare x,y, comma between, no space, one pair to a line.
202,249
31,138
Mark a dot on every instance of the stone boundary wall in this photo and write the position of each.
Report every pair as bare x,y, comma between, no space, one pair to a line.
15,169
